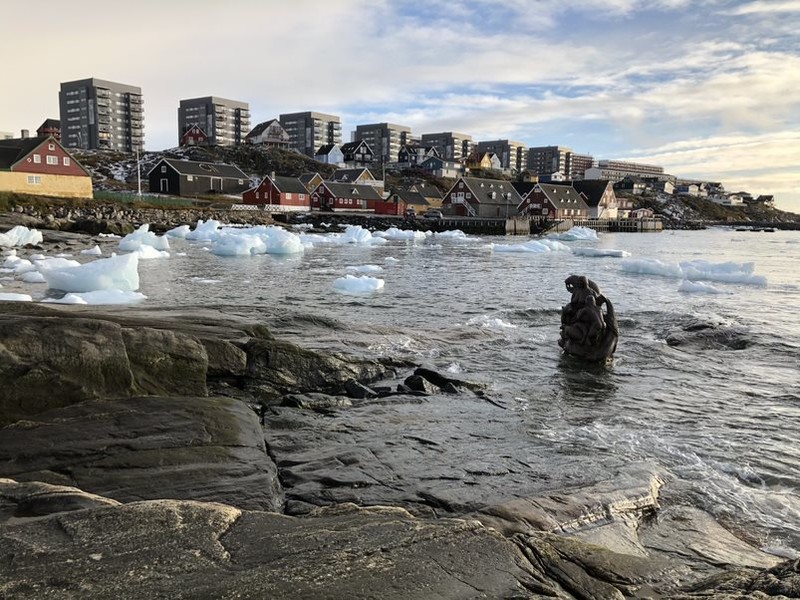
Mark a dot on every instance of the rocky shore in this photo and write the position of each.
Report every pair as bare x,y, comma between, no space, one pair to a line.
193,453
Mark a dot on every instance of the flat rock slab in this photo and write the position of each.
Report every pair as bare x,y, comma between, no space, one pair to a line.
180,549
147,448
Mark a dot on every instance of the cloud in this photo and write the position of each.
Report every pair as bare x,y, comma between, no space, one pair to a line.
765,6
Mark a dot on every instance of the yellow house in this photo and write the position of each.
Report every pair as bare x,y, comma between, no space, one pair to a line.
43,167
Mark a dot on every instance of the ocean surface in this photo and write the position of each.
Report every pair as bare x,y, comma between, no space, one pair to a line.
723,419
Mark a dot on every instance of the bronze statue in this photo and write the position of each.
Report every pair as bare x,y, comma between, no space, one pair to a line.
586,331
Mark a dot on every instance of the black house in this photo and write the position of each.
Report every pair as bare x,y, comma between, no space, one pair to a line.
192,178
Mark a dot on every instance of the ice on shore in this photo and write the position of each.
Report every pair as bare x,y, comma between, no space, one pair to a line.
535,246
143,237
179,232
256,240
20,236
33,277
696,270
99,297
148,252
350,284
595,252
117,272
93,251
697,287
204,230
8,297
390,260
574,234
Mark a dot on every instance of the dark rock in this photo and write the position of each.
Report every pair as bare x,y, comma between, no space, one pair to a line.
709,336
151,447
34,499
417,383
225,359
355,389
314,401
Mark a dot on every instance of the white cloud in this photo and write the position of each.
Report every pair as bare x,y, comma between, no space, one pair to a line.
766,6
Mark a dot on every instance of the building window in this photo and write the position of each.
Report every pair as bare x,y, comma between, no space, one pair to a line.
66,161
163,168
34,179
52,160
51,146
241,181
188,177
37,159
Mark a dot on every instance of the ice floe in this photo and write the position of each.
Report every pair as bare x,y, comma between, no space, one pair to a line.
696,270
8,297
393,233
350,284
143,237
596,252
697,287
117,272
96,251
365,268
536,246
575,234
99,297
20,236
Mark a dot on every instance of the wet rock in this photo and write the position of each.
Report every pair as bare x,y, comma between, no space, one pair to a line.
147,447
314,401
358,390
708,335
416,383
34,499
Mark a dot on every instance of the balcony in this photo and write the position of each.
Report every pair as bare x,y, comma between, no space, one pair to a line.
102,93
135,99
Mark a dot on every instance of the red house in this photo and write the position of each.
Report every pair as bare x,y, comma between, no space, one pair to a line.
279,193
41,166
194,136
345,197
554,201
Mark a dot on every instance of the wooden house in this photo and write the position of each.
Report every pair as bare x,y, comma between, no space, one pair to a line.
278,193
357,154
192,178
330,154
486,198
311,181
401,201
194,136
42,166
353,197
554,201
270,134
599,197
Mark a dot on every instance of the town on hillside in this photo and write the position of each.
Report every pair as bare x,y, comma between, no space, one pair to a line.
489,179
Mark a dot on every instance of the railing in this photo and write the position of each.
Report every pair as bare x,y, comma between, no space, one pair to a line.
457,200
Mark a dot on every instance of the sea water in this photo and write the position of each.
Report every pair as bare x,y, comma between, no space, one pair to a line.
722,420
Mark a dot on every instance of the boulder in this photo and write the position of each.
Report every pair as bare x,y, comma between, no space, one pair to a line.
145,448
19,500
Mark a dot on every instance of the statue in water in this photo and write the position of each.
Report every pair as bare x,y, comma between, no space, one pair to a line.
586,331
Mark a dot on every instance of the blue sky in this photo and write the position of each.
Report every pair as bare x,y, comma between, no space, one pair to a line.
707,88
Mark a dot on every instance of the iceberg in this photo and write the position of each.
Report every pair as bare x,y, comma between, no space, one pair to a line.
204,230
600,252
20,236
350,284
143,237
536,246
117,272
575,234
728,272
99,297
8,297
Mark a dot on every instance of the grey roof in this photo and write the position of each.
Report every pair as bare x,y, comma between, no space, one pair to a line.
482,190
50,124
193,167
410,197
351,190
325,149
428,191
306,177
563,196
592,190
15,149
353,146
350,174
259,129
523,187
291,185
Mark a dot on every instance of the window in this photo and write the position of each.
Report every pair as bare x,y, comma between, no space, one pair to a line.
469,195
51,146
34,179
66,161
241,181
52,160
288,195
37,158
163,168
188,177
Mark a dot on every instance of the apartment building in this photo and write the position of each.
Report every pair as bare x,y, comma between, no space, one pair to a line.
546,160
512,154
310,130
225,122
385,139
579,164
101,115
617,170
449,144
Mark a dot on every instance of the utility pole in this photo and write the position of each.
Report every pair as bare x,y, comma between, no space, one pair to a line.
138,173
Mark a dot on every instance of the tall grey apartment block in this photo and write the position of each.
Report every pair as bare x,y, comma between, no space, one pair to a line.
225,122
385,139
546,160
310,130
101,115
512,154
450,145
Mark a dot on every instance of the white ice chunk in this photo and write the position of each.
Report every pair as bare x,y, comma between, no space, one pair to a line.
148,252
7,297
600,252
393,233
33,277
728,272
20,236
181,231
100,297
390,260
238,245
204,230
350,284
365,268
36,257
118,272
355,234
143,237
56,263
455,234
93,251
574,234
651,266
110,236
531,246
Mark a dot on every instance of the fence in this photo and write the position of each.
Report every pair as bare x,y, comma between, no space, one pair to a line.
131,197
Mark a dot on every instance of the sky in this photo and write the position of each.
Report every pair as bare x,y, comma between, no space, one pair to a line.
708,89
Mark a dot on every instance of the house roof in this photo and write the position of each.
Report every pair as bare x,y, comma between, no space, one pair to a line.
195,127
50,124
326,149
523,187
260,128
307,177
289,185
592,190
428,191
562,196
353,146
15,149
351,190
482,190
193,167
350,174
411,197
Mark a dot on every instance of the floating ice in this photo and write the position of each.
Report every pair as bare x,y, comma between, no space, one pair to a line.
574,234
697,287
257,240
36,257
365,268
389,260
92,251
202,280
20,236
99,297
33,277
393,233
18,265
455,234
204,230
179,232
531,246
110,236
350,284
302,226
118,272
148,252
600,252
143,237
493,323
355,234
728,272
15,297
57,262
